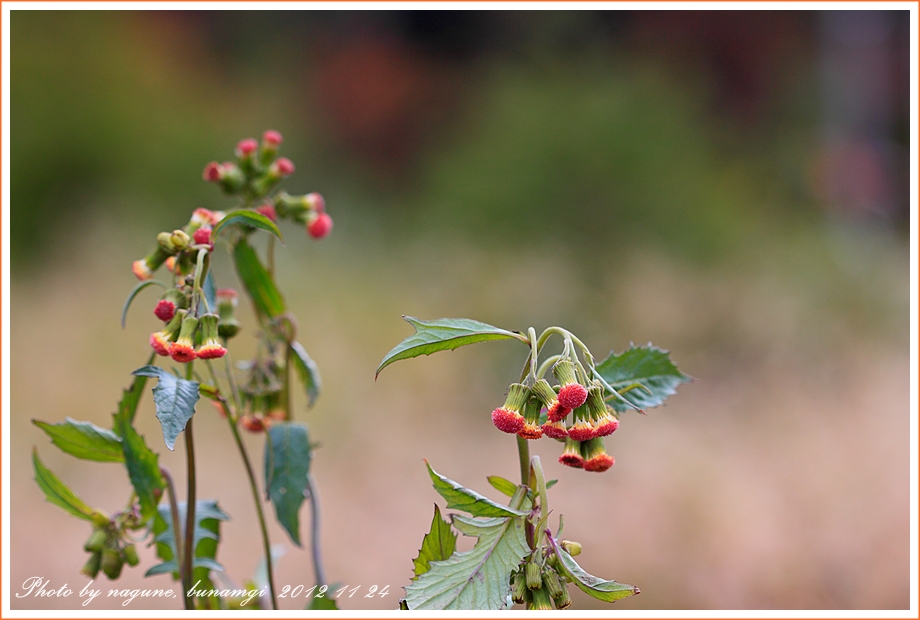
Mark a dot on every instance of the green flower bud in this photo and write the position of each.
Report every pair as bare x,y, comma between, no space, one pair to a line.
91,568
130,553
540,600
179,239
553,584
112,563
571,547
532,575
96,541
518,589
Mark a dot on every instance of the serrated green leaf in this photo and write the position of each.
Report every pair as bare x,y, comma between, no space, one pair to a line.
287,471
174,399
502,485
137,289
323,603
307,371
58,493
142,463
649,366
258,283
601,589
208,516
84,440
476,579
441,335
439,543
470,501
246,217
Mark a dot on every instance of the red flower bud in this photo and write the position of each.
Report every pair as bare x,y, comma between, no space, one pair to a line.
213,172
210,345
202,236
251,423
272,138
268,211
572,394
320,226
245,148
165,310
183,349
284,166
596,458
316,202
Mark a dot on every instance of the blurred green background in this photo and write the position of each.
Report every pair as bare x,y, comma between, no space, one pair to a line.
729,185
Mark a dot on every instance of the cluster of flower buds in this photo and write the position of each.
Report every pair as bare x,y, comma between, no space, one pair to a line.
263,394
177,249
309,210
109,547
186,337
570,412
538,586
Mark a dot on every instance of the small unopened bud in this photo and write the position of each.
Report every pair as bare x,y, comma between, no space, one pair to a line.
228,326
112,563
213,172
540,600
282,167
93,564
571,547
179,240
315,202
319,226
251,423
232,178
553,584
519,589
272,138
268,211
202,236
210,345
183,349
96,540
130,553
245,148
532,575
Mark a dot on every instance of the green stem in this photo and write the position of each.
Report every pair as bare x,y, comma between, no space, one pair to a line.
234,391
177,536
254,488
524,459
188,558
318,571
270,257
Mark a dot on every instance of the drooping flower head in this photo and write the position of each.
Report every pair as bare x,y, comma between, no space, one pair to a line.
508,418
161,340
547,395
144,268
210,344
571,454
531,428
183,349
571,394
596,457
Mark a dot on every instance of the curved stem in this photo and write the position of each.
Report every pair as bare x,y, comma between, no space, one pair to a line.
547,364
318,571
189,550
234,391
177,536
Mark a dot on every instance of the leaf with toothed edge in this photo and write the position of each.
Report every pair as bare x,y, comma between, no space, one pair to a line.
648,366
442,335
175,401
470,501
439,544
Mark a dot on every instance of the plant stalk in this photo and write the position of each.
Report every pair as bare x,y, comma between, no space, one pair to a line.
189,547
524,459
318,571
174,513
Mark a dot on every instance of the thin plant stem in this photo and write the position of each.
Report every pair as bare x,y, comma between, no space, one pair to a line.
256,497
187,560
524,459
177,537
318,571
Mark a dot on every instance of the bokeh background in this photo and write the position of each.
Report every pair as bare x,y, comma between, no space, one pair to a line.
730,185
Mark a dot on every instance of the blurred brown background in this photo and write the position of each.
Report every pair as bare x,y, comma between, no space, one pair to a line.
731,186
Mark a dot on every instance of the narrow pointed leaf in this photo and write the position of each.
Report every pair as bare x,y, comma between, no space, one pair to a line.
307,371
257,281
174,399
476,579
208,516
601,589
502,485
470,501
648,366
137,289
84,440
246,217
439,543
287,470
58,493
142,463
441,335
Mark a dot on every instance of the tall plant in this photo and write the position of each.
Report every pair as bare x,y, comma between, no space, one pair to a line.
190,359
518,558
